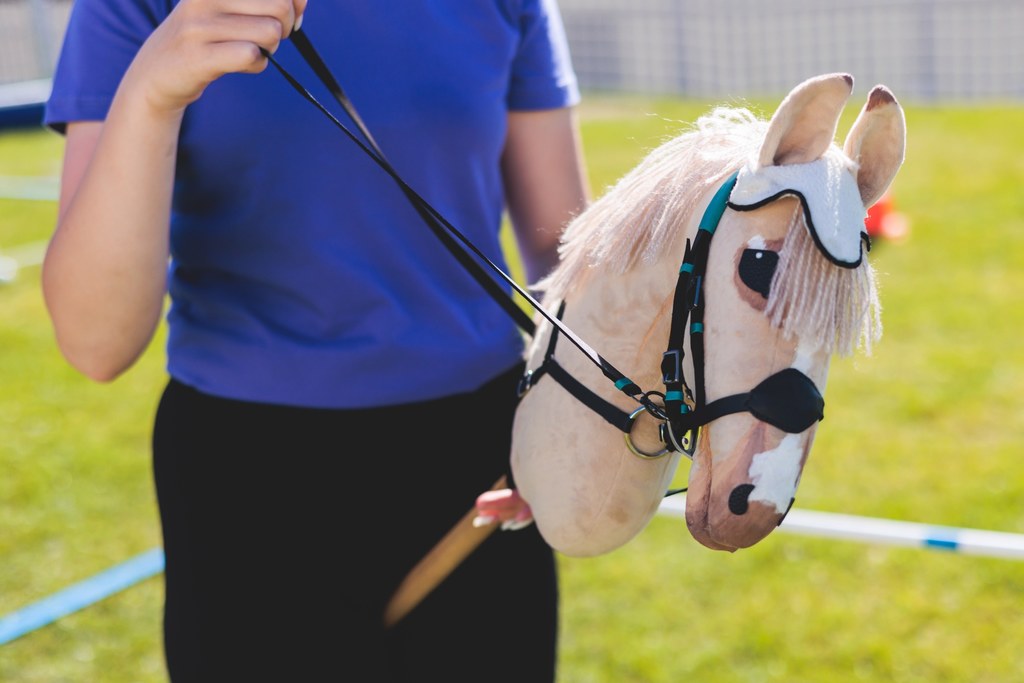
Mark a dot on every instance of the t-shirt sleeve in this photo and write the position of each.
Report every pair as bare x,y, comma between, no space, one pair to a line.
100,41
542,72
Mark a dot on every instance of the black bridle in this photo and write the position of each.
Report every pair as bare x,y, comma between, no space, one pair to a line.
787,399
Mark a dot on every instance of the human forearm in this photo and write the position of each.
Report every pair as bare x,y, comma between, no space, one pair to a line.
104,273
545,183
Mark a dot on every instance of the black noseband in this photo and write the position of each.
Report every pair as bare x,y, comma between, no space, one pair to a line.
788,400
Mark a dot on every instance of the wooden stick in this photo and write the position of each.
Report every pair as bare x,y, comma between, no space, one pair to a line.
461,540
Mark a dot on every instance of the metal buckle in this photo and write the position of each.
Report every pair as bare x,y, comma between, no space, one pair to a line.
525,383
676,367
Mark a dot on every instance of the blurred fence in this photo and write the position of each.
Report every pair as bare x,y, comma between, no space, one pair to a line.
926,50
30,36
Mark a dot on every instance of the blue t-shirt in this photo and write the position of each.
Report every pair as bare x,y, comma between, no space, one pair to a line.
299,272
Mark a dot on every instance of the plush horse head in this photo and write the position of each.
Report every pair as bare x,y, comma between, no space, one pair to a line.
782,287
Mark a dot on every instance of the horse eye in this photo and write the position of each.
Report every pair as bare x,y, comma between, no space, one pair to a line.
756,269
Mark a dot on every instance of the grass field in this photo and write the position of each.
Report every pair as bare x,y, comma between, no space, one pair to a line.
927,429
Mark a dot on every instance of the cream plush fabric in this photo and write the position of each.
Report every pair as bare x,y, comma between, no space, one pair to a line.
827,189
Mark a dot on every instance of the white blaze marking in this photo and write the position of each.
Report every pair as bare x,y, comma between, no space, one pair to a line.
775,473
804,357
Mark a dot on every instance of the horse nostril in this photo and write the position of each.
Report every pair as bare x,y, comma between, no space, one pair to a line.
738,502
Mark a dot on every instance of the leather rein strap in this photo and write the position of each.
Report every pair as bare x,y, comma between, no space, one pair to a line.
785,388
680,419
457,243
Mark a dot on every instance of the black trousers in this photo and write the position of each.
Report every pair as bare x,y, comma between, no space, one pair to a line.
284,540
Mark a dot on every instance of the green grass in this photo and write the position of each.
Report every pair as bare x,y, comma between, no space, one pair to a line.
927,429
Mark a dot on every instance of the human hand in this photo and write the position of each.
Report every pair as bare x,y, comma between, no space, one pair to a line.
504,505
201,40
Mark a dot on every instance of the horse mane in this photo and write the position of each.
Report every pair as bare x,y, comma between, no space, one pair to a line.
822,303
636,219
638,216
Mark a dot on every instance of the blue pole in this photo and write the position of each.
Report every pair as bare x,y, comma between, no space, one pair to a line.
82,594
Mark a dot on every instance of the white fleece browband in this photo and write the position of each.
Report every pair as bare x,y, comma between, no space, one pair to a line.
828,191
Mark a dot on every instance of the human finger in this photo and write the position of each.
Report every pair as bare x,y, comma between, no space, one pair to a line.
300,11
484,520
282,12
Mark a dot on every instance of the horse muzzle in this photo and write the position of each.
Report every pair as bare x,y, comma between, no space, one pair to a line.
737,498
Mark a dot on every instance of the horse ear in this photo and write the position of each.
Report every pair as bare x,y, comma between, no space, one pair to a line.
877,142
805,123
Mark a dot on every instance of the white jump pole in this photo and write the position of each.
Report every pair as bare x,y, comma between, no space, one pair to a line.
823,524
888,531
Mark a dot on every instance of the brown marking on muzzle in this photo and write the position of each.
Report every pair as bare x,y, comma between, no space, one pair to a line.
719,513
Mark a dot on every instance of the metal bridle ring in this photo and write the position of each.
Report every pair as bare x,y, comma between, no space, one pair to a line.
632,447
